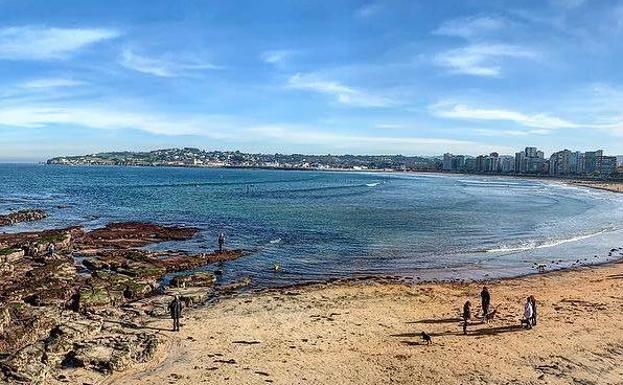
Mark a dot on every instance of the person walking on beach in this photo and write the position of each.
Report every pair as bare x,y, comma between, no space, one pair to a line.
467,314
175,308
221,242
528,312
533,302
485,298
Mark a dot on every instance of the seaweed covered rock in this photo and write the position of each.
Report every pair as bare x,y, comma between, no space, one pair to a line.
111,288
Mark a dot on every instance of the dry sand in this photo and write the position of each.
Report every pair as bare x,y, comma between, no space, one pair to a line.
368,333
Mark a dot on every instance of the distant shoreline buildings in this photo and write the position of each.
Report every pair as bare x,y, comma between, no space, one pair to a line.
530,161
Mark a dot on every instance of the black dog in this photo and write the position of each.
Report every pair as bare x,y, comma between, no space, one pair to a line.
426,338
491,315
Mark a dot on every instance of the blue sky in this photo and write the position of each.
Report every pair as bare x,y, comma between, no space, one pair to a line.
377,77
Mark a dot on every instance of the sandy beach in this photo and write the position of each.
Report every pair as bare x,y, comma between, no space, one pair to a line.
604,185
368,333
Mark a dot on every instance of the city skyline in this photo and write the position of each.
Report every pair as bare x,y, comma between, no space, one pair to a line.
358,77
529,161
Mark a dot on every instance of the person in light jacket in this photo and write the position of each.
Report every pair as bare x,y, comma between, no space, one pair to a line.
528,312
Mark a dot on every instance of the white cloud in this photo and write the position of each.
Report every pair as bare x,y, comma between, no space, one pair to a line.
163,67
50,83
371,144
277,57
482,59
471,27
109,117
226,128
41,43
343,94
488,132
542,121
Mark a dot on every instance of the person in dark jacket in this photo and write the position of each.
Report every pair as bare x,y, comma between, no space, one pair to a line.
221,242
467,314
175,308
533,302
485,297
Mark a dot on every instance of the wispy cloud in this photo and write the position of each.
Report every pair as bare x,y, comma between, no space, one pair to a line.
567,4
50,83
42,43
109,117
472,27
368,10
342,93
276,56
370,143
481,59
489,132
163,66
539,120
227,128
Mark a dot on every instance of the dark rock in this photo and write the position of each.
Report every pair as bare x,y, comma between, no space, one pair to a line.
133,234
22,216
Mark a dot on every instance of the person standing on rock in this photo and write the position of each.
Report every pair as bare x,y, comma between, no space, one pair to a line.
51,250
485,297
175,308
221,242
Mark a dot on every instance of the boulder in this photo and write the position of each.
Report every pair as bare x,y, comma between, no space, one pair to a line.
111,353
11,255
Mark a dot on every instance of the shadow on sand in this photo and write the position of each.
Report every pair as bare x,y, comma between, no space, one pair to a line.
132,325
492,331
436,321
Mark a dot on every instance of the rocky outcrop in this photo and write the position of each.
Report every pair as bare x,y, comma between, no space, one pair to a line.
52,316
10,255
111,353
132,234
22,216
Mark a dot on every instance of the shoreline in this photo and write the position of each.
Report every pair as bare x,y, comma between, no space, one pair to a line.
583,181
373,327
112,331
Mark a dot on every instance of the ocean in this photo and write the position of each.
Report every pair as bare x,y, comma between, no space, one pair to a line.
324,225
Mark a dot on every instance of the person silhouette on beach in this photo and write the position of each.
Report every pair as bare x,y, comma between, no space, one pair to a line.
175,308
528,313
485,298
467,314
533,302
221,242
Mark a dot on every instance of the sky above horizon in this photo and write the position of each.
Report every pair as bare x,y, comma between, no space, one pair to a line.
307,76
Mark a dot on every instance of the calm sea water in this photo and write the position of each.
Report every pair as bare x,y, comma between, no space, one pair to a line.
322,225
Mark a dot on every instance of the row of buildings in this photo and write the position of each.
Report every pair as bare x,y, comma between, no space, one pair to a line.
533,161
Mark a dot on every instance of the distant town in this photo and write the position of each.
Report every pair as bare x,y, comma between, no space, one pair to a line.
530,161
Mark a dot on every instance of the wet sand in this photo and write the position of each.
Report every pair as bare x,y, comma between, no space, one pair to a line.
608,186
368,333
